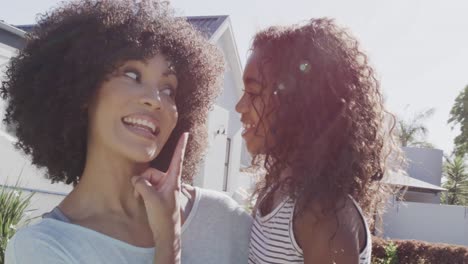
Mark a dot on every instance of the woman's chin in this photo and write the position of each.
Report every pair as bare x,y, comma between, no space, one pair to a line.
145,155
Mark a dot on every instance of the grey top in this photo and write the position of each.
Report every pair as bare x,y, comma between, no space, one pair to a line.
217,230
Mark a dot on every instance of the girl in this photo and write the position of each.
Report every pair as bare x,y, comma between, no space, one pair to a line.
101,93
312,113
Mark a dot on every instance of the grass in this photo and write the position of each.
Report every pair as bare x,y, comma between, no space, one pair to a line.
13,204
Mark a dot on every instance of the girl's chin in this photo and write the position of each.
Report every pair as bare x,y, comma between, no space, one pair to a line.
254,151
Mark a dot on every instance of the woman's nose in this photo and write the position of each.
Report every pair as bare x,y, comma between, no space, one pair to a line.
151,99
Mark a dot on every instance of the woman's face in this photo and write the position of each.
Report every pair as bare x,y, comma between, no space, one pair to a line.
134,112
255,106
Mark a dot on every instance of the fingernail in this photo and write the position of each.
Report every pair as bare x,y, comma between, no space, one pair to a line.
147,182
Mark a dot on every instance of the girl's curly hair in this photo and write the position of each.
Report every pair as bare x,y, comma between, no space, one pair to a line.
328,122
71,52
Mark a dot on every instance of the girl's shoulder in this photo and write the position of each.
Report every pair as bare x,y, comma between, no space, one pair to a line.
337,232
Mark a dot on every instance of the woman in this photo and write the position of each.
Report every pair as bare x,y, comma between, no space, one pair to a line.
313,114
101,93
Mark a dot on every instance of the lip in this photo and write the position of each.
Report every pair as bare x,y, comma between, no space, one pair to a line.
140,131
246,131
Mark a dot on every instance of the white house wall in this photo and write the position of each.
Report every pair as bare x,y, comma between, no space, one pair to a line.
6,53
16,168
427,222
42,203
236,73
228,99
212,172
422,197
424,164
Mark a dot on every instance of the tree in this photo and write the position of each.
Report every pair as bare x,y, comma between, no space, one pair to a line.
456,174
412,132
459,116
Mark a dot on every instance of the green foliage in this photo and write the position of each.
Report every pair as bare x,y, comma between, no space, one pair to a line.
459,116
417,252
456,174
391,256
13,204
412,132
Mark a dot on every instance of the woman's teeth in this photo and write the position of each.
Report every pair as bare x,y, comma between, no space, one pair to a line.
141,123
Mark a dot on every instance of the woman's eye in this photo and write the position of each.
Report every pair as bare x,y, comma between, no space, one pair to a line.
133,75
168,90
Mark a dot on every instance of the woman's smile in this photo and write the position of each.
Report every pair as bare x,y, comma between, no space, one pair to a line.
143,125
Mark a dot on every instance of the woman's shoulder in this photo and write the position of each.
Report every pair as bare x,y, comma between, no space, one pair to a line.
44,229
45,232
39,241
221,204
215,216
217,199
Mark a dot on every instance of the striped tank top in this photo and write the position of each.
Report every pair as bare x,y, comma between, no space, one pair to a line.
272,239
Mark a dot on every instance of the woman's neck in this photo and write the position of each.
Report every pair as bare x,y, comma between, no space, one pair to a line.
105,188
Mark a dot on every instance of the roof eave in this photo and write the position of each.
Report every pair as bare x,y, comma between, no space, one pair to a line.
16,31
226,27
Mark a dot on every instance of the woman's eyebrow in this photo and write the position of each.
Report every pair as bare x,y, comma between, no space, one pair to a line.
169,72
136,64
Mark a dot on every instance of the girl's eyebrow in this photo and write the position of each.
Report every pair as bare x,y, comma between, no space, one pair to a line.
252,81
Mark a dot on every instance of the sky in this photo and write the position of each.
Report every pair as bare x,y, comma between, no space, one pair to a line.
418,48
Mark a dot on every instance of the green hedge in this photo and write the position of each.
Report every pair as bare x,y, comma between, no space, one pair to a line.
419,252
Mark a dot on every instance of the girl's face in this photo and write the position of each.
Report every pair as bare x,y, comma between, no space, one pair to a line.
255,107
133,112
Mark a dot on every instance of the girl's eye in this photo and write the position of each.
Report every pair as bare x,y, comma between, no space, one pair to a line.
251,95
133,75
